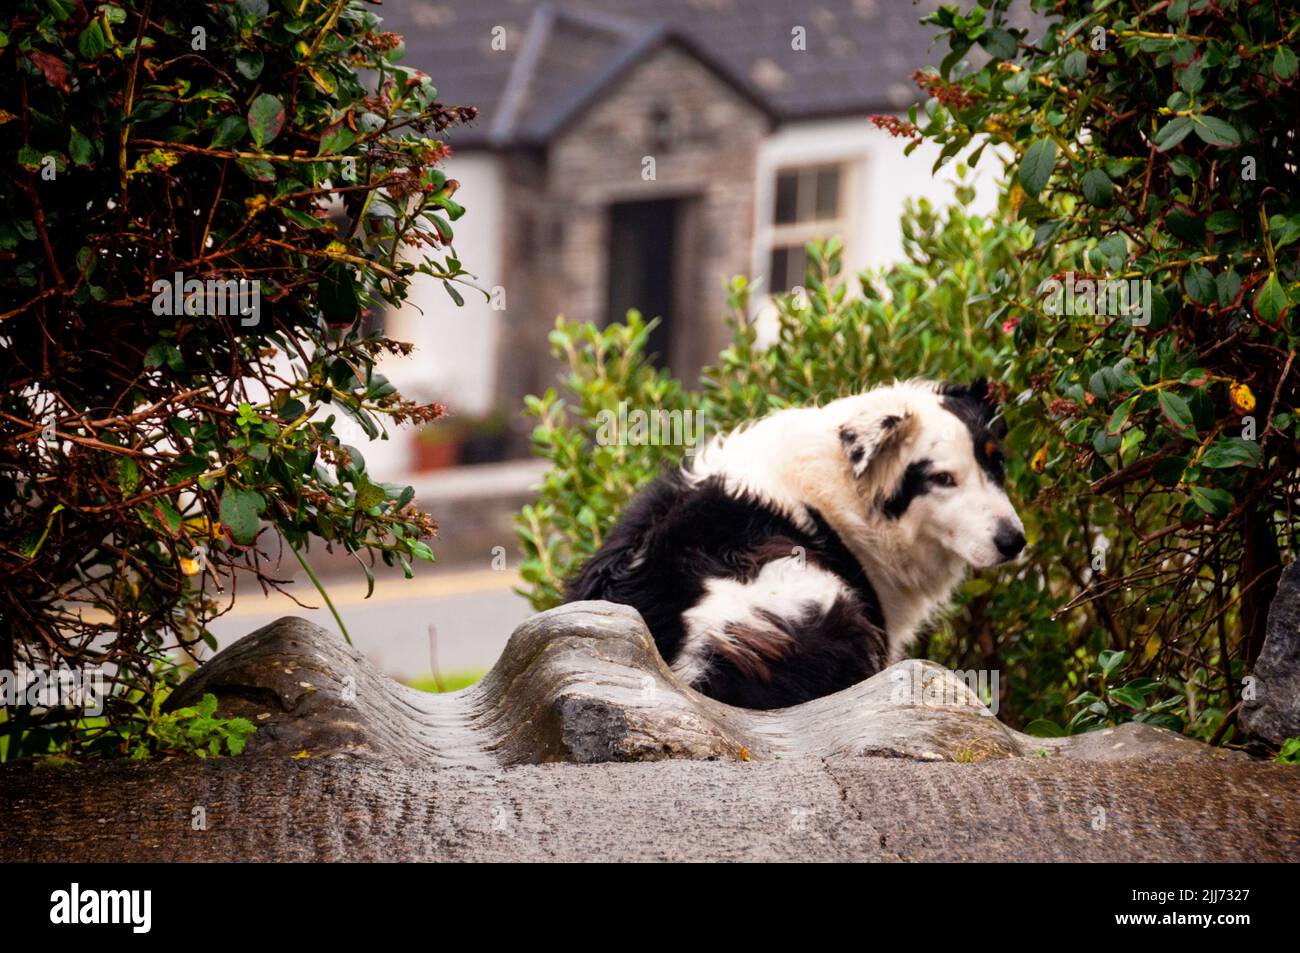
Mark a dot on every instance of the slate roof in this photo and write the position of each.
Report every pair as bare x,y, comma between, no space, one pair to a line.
561,55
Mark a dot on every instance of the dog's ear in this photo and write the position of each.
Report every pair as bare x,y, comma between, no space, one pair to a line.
976,403
980,391
869,441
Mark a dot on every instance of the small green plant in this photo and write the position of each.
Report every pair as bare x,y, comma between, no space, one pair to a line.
133,726
589,482
1290,751
193,730
1135,700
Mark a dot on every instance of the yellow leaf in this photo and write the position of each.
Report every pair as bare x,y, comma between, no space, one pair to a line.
323,80
1039,463
1016,197
191,567
744,753
204,526
301,754
1152,647
1241,398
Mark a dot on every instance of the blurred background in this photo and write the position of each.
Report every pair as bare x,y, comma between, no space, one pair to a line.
627,154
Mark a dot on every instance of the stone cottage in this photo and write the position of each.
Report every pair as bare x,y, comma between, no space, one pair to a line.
637,153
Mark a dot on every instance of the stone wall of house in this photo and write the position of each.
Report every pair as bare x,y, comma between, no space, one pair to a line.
704,138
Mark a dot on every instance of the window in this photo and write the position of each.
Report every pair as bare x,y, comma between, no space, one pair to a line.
809,203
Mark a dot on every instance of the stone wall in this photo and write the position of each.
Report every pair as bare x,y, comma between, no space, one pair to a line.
557,244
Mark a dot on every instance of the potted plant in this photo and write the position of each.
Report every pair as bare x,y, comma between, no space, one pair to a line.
438,445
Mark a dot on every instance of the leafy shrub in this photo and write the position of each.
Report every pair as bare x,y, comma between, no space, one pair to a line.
146,456
938,314
1158,142
138,729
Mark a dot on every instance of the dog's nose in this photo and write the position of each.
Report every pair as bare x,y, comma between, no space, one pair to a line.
1009,539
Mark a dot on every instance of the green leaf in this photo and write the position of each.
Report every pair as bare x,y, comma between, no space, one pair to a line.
999,43
1284,63
369,494
92,43
259,170
1036,166
1271,300
81,149
128,475
1109,659
1120,417
1172,133
1075,65
1212,501
1129,697
1191,78
1199,284
1177,414
265,119
1215,132
240,510
1186,225
419,550
61,9
250,63
1042,728
1223,221
337,138
1098,188
230,131
1232,452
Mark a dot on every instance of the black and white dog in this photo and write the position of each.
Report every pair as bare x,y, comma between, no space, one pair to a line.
800,554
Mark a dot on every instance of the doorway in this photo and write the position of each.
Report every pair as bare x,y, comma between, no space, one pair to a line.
642,272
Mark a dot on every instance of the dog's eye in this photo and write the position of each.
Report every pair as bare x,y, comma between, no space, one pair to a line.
943,479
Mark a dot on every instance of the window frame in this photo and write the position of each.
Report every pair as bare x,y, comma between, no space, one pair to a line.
797,234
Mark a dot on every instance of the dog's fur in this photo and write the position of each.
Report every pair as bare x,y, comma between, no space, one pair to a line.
802,553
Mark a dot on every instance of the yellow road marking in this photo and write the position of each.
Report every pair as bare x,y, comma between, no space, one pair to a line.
386,590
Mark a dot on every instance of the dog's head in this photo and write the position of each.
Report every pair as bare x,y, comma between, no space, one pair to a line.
927,461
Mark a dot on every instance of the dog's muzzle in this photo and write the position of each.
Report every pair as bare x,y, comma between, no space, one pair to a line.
1009,540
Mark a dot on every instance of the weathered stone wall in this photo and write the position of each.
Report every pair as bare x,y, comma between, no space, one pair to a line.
348,765
558,243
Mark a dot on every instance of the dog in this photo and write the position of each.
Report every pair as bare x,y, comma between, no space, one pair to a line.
802,553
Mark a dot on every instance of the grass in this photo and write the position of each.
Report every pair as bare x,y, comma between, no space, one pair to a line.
445,681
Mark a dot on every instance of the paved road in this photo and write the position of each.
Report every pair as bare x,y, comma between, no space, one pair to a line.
472,612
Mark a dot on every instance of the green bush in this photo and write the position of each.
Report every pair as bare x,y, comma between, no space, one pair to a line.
145,457
938,315
1158,142
1154,453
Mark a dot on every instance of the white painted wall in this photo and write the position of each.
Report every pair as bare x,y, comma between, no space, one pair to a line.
456,347
880,180
454,360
